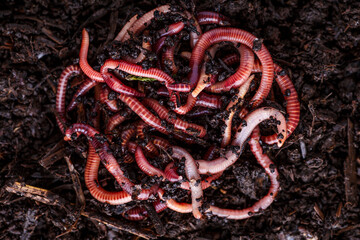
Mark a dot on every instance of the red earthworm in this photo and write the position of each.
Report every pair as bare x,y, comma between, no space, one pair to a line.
125,28
204,183
125,136
61,93
115,120
179,87
172,29
91,182
140,129
257,67
198,112
263,203
209,101
207,17
235,35
184,126
136,70
82,90
171,174
132,146
84,65
112,105
204,99
145,166
250,122
291,98
95,116
161,143
144,21
174,205
231,108
116,85
106,157
150,147
232,59
143,113
139,213
240,76
193,176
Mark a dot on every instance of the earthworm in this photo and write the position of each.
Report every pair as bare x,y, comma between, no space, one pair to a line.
126,27
291,98
144,21
263,203
84,65
240,76
184,126
125,136
207,17
115,120
143,113
81,91
107,158
235,35
168,59
194,33
193,176
243,132
159,44
174,205
201,111
179,87
136,70
139,213
116,85
112,105
160,142
61,94
231,108
146,46
145,166
92,183
172,29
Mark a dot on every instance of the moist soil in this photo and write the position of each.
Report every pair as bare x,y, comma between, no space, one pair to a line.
316,43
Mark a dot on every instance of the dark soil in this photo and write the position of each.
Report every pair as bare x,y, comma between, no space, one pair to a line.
318,45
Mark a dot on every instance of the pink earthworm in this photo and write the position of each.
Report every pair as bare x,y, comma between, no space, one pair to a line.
174,205
193,176
231,108
263,203
61,94
125,28
172,29
243,132
115,120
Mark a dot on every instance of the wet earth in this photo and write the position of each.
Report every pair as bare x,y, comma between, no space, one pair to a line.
317,44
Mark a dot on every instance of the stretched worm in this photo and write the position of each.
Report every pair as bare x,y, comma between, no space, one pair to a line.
263,203
116,85
84,65
250,122
143,113
61,94
189,128
207,17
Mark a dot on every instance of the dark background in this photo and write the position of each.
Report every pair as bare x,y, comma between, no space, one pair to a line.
316,42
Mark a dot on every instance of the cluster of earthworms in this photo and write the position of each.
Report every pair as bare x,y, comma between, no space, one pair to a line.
187,84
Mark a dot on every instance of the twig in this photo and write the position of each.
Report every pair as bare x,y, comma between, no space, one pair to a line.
350,169
49,198
159,227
